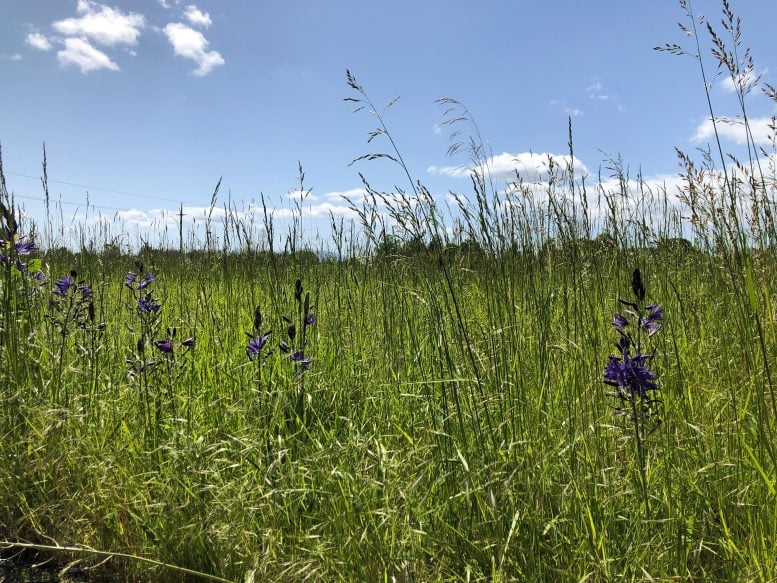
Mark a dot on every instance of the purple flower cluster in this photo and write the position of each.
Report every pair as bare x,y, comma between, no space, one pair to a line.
636,386
72,303
140,285
12,250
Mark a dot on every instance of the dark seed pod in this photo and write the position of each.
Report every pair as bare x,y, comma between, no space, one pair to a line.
298,290
292,331
257,320
141,345
636,285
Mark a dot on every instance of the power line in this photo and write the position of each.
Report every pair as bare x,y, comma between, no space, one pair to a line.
68,203
111,190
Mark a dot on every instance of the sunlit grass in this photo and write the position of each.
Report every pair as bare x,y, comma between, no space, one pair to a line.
451,424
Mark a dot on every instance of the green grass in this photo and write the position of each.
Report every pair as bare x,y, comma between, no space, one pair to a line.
452,425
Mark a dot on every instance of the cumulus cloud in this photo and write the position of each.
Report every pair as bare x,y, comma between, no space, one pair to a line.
197,17
734,129
80,53
102,24
531,167
191,44
38,41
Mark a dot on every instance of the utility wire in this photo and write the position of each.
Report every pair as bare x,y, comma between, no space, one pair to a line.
111,190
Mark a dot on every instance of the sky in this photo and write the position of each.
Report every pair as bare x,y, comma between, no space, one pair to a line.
144,105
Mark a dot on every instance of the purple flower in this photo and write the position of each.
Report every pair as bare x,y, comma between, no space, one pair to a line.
255,345
130,279
147,305
146,280
189,342
63,286
619,321
25,247
631,374
310,319
299,358
164,346
85,291
39,277
652,322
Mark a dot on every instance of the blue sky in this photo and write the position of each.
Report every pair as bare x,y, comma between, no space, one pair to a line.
160,98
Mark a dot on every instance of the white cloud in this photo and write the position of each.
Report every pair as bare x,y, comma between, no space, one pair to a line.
197,17
315,211
354,194
102,24
735,130
301,195
747,80
80,53
595,90
191,44
531,167
13,57
38,41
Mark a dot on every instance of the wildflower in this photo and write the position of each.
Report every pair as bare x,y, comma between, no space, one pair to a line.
619,321
255,345
631,375
164,346
299,358
62,286
189,342
149,277
651,323
147,305
130,279
310,319
25,247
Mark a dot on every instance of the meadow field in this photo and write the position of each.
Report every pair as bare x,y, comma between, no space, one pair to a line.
543,382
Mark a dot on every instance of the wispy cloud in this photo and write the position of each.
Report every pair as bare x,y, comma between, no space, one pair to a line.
747,80
595,90
569,110
38,41
13,57
80,53
197,17
191,44
530,166
735,130
102,24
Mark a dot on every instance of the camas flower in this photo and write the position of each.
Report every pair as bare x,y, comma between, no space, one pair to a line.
652,322
164,346
188,343
62,286
619,321
255,345
25,247
147,305
146,280
630,374
299,358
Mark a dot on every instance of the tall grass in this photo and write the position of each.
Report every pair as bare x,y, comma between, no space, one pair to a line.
451,424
